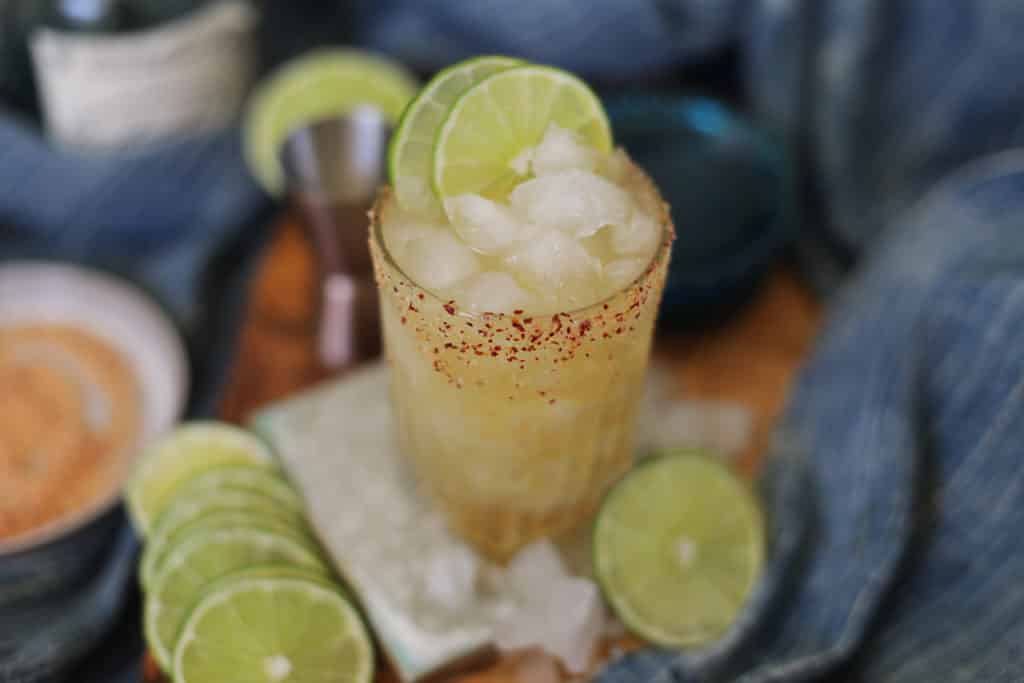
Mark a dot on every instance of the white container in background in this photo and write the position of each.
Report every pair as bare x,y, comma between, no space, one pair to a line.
183,77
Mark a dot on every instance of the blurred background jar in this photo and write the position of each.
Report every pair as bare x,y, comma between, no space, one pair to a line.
82,65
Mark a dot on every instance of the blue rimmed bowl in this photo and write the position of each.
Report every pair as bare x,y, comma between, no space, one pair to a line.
731,189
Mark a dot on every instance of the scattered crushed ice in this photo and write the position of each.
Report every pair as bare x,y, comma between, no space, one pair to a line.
485,226
562,614
535,565
561,150
451,578
438,260
575,201
720,426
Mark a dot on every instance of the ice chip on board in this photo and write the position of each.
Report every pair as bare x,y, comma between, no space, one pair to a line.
561,150
723,427
451,577
575,201
486,226
565,617
438,260
534,567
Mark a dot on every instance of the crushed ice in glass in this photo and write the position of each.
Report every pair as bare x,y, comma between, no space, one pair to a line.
568,236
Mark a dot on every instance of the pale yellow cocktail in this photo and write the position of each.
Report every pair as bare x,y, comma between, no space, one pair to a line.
517,421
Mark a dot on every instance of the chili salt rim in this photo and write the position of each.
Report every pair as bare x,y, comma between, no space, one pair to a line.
477,335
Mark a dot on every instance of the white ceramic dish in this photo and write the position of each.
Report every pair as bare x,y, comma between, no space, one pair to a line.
124,317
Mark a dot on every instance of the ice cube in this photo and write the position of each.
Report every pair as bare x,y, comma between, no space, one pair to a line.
534,567
451,577
577,202
401,231
486,226
578,616
638,237
438,260
620,273
552,261
565,617
492,292
720,426
562,150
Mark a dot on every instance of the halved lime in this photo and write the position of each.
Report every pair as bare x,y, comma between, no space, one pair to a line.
326,82
181,455
493,122
274,630
191,566
244,477
165,538
678,546
411,154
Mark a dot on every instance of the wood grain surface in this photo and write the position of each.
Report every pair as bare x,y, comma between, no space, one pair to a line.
749,359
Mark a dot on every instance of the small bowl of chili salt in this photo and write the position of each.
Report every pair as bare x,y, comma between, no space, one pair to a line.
90,368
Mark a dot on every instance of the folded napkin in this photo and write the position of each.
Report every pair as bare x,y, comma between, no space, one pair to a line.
183,220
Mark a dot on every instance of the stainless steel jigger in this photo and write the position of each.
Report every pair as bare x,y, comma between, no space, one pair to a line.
333,168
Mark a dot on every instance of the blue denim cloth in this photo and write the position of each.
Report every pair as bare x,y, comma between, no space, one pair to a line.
895,492
183,220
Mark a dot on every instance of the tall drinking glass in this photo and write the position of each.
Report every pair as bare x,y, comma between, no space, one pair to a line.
516,424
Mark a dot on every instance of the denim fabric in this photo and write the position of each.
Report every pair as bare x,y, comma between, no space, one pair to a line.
182,220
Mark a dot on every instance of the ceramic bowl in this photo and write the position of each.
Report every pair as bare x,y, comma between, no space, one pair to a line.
730,187
54,555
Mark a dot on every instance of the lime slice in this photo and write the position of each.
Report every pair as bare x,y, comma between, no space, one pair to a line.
411,154
321,84
184,510
274,630
503,115
182,454
165,538
191,566
245,477
678,546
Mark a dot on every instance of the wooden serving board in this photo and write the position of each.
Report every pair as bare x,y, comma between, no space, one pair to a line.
751,360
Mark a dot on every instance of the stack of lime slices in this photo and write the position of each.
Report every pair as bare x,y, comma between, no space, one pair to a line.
236,585
466,130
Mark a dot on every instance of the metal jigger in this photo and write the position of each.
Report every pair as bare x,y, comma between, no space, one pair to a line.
333,168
